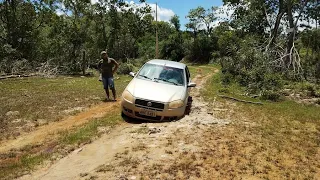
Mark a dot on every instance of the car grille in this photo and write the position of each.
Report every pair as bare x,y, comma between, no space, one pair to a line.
144,103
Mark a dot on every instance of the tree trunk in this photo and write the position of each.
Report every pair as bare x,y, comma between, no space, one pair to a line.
291,34
277,24
276,27
84,63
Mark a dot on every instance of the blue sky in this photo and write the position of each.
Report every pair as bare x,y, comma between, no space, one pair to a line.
167,8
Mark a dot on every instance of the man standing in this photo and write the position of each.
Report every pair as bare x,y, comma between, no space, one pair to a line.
107,67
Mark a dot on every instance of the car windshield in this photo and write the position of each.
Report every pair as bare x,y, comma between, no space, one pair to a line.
163,74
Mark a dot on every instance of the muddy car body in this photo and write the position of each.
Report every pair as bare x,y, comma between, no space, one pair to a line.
158,91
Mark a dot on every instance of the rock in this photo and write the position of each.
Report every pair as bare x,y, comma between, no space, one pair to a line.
78,150
16,121
154,130
12,113
30,124
133,177
42,122
103,130
16,134
83,174
122,177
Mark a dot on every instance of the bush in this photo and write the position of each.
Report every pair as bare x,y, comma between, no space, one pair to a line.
125,68
270,95
224,90
200,50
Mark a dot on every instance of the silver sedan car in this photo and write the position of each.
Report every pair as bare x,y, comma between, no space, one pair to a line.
158,91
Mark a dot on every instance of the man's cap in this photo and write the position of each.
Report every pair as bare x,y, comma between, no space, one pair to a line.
103,52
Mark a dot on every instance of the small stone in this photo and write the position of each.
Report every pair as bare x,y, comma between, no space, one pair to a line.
154,130
12,113
78,150
42,122
102,130
83,174
16,121
15,134
133,177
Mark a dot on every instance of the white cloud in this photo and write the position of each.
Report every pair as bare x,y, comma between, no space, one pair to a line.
93,1
164,14
59,12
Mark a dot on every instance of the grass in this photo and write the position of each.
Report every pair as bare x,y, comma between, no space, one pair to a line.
278,140
42,98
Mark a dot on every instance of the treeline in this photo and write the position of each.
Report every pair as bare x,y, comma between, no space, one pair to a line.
265,42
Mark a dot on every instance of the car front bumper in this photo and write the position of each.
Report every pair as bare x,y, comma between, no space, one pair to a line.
132,110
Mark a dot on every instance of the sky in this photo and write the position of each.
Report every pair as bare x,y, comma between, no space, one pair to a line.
168,8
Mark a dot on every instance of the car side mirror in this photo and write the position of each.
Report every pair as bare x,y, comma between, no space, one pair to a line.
192,84
131,74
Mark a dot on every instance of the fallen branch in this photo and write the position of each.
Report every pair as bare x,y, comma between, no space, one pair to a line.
240,100
14,76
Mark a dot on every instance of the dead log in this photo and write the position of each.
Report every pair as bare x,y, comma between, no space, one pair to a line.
14,76
240,100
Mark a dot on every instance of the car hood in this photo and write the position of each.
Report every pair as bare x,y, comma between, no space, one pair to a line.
156,91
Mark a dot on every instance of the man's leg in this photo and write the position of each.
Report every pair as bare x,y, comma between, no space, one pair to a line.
105,86
114,93
107,93
113,89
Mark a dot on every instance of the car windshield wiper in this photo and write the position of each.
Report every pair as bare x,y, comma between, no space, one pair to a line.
145,76
166,81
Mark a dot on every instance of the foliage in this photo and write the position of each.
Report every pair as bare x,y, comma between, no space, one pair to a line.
125,68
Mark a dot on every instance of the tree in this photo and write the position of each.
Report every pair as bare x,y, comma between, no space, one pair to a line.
176,22
200,16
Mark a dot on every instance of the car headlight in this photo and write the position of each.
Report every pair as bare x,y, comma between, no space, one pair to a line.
128,96
176,104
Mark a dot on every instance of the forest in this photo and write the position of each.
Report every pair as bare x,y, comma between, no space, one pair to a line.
263,46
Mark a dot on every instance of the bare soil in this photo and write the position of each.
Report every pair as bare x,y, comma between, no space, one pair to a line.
143,150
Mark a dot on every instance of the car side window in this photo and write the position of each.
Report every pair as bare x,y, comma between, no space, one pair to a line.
188,75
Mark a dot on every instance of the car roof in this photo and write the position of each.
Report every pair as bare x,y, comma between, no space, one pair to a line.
167,63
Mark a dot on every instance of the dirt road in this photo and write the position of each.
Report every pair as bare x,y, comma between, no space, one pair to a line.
140,150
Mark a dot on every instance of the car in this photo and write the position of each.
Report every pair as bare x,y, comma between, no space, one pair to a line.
159,91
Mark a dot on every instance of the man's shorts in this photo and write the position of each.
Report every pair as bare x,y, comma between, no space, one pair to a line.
108,82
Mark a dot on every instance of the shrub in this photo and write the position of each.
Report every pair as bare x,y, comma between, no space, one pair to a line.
270,95
224,90
125,68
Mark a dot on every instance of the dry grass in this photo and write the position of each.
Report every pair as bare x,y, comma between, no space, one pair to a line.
130,161
139,147
274,141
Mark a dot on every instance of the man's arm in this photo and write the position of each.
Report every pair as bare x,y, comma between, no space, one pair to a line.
116,66
99,66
